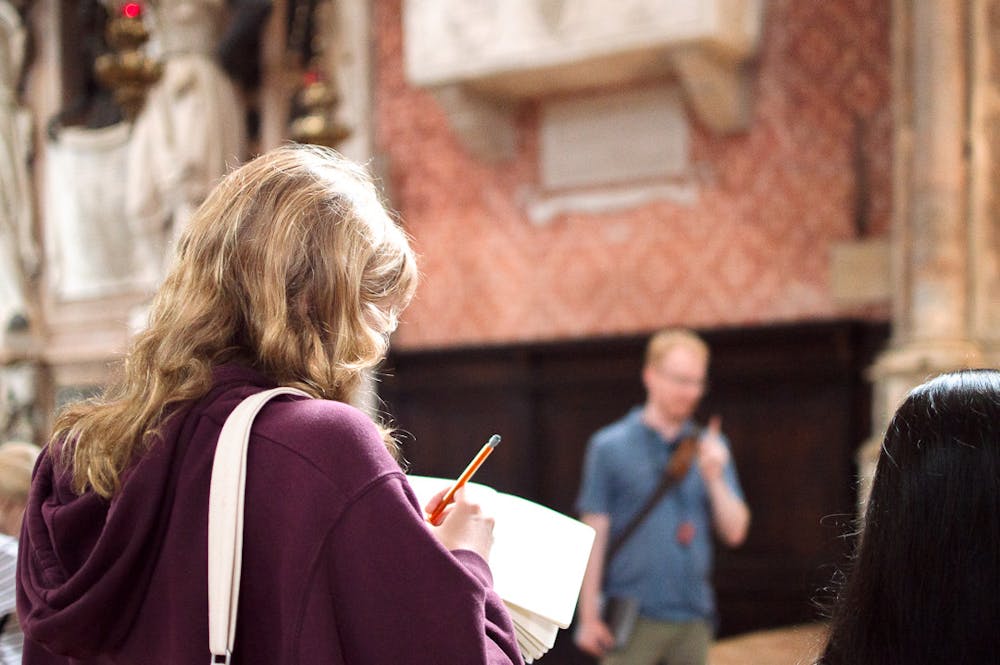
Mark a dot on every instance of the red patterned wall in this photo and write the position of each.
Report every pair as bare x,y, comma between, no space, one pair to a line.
753,249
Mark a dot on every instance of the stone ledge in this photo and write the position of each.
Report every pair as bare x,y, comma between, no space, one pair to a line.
543,209
513,46
514,50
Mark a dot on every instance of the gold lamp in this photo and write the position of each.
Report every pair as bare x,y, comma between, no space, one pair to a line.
127,71
319,122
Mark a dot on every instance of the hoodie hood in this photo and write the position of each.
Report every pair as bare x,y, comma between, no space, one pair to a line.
85,563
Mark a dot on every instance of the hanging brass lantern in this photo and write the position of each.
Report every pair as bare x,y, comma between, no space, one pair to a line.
319,120
126,70
318,123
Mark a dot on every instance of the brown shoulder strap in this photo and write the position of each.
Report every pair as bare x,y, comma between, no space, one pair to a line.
674,472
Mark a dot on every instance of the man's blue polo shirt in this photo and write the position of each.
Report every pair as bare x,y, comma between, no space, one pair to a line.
623,466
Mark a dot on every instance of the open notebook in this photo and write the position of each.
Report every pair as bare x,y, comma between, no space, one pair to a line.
538,560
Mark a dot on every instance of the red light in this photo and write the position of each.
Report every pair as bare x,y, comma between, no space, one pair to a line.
311,76
131,10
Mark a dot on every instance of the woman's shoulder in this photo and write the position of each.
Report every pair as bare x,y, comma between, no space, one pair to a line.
339,440
287,416
300,416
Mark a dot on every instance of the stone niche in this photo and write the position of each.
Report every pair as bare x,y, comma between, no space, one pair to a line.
483,55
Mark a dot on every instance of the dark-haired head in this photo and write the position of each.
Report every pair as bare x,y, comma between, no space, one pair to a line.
925,583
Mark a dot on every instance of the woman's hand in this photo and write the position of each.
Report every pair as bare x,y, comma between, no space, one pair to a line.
464,525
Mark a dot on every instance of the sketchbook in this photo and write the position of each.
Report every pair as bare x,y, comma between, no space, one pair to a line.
538,560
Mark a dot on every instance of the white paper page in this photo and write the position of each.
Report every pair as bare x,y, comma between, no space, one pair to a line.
538,557
529,648
543,633
427,486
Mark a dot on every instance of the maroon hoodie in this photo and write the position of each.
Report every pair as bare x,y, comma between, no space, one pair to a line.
338,565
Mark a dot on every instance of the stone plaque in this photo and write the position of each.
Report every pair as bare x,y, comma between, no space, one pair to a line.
615,138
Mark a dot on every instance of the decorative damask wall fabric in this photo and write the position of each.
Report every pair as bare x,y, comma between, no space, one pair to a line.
752,247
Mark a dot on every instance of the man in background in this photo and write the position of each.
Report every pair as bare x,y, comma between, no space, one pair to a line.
665,565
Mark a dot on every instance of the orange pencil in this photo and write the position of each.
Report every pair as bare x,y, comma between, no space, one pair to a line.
474,465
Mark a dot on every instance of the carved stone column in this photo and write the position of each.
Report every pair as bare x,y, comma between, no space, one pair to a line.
945,225
985,176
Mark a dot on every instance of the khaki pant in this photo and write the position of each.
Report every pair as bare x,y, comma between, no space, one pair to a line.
664,643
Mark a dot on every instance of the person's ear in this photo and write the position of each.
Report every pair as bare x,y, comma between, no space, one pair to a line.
647,376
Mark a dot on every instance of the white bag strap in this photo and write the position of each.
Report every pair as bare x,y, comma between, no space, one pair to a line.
225,521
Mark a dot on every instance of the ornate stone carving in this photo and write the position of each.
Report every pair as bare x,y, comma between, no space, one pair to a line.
516,49
18,252
18,409
525,47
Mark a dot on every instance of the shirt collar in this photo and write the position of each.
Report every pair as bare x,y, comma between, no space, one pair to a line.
687,429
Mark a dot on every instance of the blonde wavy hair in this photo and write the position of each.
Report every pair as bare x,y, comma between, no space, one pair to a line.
292,266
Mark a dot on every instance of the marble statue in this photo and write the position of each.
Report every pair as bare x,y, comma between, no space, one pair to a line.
18,252
190,131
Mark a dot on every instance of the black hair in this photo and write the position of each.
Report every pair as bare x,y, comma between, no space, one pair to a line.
924,586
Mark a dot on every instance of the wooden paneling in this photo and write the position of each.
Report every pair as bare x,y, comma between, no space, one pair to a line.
794,403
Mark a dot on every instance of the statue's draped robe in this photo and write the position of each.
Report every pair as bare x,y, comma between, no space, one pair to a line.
18,253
